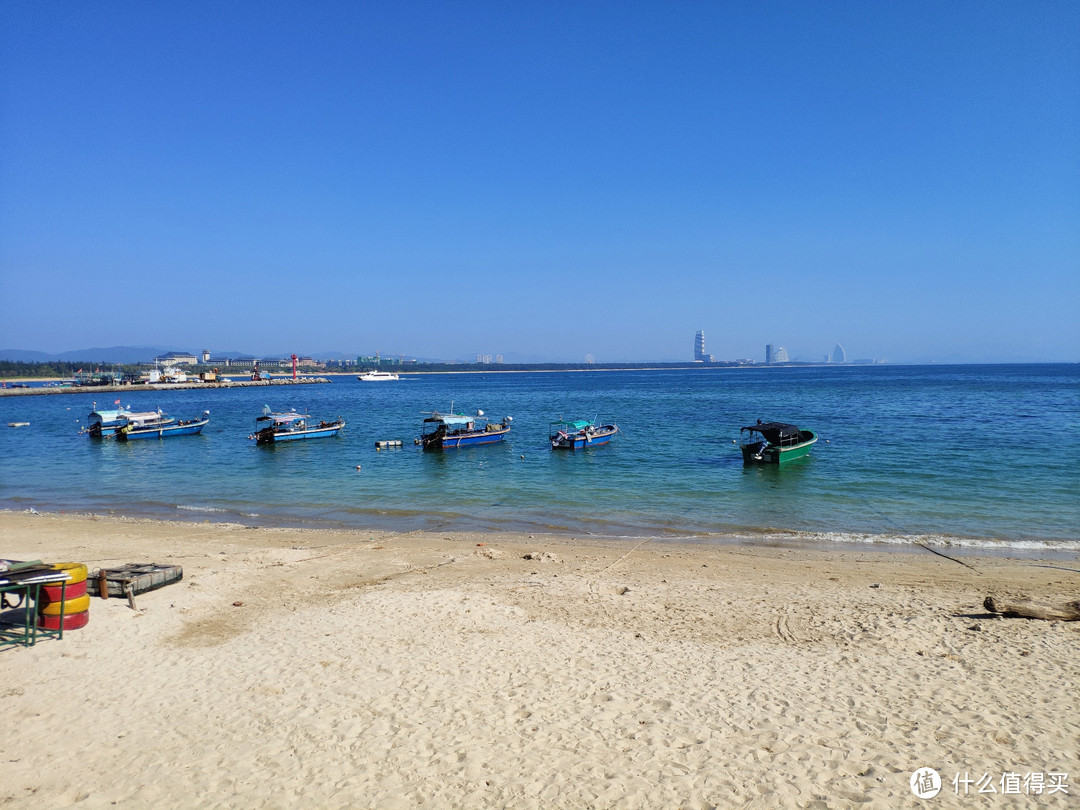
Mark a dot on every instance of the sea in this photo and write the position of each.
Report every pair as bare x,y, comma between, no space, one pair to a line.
966,456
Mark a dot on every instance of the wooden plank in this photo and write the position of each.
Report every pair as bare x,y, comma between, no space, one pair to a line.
1026,609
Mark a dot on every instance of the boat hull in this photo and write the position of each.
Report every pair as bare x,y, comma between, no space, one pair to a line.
780,455
467,439
577,442
162,432
276,437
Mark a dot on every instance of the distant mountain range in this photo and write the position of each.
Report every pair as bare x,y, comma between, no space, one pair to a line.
118,355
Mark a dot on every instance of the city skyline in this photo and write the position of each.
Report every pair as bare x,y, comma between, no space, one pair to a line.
547,183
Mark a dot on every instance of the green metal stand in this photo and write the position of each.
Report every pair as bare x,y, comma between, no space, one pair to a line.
27,633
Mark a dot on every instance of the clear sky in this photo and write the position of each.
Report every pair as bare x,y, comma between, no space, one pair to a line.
544,180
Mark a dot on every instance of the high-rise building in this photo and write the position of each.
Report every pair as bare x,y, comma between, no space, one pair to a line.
768,354
838,355
781,355
699,347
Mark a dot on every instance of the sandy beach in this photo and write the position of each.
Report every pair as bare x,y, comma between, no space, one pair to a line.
355,669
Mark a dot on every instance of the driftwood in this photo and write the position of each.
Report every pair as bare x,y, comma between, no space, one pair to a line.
1026,609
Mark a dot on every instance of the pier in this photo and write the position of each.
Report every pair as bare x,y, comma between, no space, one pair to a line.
96,389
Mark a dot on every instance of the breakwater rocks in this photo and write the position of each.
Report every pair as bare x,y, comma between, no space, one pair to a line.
93,389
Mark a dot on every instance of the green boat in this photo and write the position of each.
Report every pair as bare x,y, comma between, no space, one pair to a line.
775,443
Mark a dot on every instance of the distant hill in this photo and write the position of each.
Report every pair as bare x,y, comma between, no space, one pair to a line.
119,355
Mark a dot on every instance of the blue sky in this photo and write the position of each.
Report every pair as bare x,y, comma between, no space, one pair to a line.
546,181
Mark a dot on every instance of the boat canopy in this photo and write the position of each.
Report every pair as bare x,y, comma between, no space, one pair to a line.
579,424
451,418
774,432
285,418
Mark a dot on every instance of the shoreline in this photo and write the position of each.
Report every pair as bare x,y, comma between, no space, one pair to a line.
942,545
462,669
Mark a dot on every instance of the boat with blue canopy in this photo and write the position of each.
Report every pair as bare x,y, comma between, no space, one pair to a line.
271,428
122,424
579,433
442,431
157,425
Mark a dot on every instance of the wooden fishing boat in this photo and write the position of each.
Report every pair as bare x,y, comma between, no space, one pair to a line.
271,428
156,425
775,443
443,431
567,435
123,424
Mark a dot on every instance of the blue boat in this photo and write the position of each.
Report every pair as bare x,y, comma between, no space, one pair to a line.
443,431
156,425
271,428
579,433
123,424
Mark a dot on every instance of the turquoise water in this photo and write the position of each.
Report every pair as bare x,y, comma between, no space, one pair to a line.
962,455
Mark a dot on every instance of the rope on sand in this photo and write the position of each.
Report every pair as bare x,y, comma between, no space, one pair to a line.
623,557
947,557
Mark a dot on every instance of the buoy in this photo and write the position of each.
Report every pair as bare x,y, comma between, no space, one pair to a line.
358,468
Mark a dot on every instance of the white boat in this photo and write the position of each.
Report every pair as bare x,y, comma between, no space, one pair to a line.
375,376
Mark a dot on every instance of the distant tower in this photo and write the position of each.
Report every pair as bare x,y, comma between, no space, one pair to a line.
699,347
769,359
838,355
206,355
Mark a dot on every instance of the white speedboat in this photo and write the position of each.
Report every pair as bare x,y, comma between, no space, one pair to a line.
375,376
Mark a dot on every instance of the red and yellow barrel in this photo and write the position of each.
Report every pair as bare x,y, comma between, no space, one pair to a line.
71,600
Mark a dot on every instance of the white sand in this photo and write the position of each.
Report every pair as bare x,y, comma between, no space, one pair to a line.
421,670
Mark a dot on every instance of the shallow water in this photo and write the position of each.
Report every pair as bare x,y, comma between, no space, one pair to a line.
962,455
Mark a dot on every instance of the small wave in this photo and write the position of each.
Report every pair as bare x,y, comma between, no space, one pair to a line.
187,508
937,540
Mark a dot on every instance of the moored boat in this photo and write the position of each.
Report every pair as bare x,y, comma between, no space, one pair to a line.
376,376
156,425
444,431
571,435
775,442
271,427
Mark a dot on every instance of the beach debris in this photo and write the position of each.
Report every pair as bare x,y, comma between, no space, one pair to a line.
614,590
541,556
947,557
128,580
1028,609
237,603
